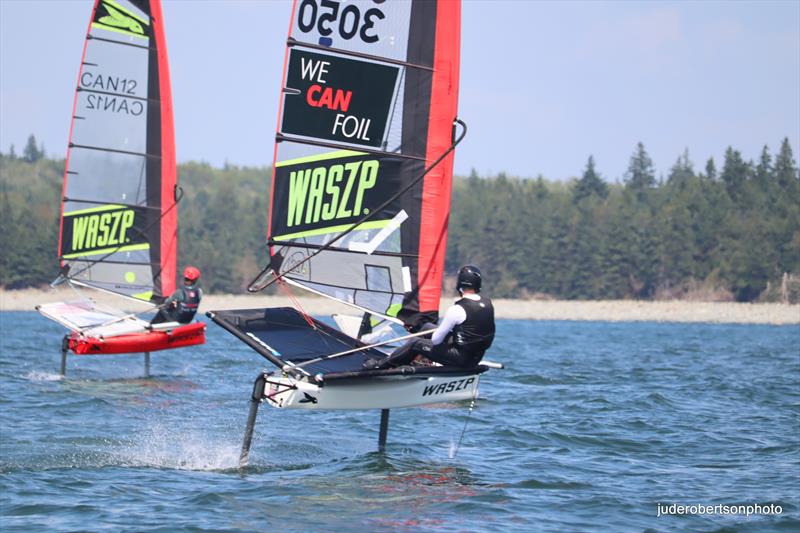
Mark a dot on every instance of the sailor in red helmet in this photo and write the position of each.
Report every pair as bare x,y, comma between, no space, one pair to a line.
182,305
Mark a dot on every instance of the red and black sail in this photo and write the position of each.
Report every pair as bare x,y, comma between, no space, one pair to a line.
364,148
119,221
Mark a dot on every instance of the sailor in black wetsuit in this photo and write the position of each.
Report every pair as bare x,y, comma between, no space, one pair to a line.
466,331
182,305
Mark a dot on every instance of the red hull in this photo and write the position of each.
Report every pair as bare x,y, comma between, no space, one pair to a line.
151,341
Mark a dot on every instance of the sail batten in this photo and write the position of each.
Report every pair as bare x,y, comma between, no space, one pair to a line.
342,51
280,137
366,117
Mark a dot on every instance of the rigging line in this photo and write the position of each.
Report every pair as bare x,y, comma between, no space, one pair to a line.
87,330
361,308
293,244
277,385
365,347
256,288
177,195
178,198
75,288
296,303
104,289
466,421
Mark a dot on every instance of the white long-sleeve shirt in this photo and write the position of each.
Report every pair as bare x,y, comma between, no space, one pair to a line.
454,316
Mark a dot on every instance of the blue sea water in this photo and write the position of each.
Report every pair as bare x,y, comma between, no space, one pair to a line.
590,427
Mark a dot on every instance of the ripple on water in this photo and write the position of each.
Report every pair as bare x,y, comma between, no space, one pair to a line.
589,427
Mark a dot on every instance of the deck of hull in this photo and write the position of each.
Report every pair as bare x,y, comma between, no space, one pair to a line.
149,341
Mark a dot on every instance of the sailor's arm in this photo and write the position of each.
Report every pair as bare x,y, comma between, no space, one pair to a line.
454,316
173,300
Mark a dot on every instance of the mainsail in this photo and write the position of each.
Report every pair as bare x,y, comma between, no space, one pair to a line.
363,154
119,219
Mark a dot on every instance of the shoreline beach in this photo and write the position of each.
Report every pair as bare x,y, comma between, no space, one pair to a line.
607,310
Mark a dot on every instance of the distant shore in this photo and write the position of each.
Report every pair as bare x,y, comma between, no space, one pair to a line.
607,310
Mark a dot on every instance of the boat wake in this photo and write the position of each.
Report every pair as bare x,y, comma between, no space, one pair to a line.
43,376
162,447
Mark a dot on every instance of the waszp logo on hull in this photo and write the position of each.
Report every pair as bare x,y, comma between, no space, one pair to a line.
450,386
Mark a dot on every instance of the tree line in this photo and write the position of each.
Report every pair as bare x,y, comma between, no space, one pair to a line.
727,233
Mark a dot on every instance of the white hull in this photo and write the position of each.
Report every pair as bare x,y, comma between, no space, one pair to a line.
388,392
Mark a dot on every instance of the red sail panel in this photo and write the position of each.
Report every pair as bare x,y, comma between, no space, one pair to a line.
169,172
438,183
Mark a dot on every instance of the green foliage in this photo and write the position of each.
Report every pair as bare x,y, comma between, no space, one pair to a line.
735,173
222,228
711,169
735,233
641,175
590,183
32,153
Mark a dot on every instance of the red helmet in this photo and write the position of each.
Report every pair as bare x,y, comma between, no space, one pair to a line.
191,273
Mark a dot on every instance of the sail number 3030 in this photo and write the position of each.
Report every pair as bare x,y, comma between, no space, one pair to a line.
329,15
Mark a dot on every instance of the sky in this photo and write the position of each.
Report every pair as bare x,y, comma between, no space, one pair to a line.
544,85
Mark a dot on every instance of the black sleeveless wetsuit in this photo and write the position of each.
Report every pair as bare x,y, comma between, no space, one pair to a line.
463,347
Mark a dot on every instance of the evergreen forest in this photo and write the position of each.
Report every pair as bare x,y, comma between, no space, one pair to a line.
721,232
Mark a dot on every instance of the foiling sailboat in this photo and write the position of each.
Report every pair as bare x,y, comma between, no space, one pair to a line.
119,216
360,202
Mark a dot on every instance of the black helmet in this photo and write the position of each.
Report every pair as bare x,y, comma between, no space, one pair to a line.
469,276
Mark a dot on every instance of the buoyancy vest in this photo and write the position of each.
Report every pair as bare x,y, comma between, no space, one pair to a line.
476,333
187,307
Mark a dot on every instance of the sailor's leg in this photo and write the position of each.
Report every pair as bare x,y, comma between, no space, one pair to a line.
401,356
450,356
384,430
64,349
160,317
255,402
147,364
